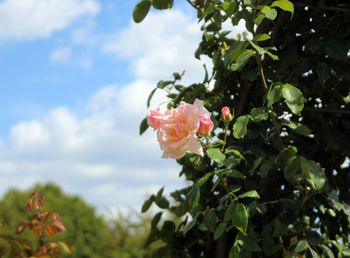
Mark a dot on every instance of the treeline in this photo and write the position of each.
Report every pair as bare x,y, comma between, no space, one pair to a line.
89,234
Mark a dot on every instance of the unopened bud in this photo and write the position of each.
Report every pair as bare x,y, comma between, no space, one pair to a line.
226,114
205,125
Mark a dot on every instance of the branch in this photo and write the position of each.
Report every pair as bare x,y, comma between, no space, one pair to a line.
332,8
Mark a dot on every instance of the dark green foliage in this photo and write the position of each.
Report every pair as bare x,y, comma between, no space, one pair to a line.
280,187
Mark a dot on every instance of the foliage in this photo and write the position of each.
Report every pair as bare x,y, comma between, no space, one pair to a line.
86,232
276,183
43,225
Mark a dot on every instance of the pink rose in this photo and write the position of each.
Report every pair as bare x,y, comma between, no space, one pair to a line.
177,133
205,125
153,118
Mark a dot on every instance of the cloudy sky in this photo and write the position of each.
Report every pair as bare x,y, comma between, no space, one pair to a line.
75,75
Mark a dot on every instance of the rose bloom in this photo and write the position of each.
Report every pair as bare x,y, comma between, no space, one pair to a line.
177,133
205,125
153,118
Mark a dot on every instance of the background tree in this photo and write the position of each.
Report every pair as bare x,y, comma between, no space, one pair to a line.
87,232
278,185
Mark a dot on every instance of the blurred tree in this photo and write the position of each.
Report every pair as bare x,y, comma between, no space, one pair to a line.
86,231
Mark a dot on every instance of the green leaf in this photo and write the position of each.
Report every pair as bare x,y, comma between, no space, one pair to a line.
143,126
216,155
240,127
190,225
292,169
210,220
328,251
233,52
273,57
141,10
261,37
251,245
301,246
260,50
162,202
346,252
205,178
250,194
270,13
230,7
219,230
294,98
150,97
258,114
193,196
162,4
313,253
298,128
239,217
267,166
274,95
285,5
234,173
313,173
242,59
156,220
147,204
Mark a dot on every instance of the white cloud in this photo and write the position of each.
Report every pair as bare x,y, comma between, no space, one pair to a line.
30,19
100,154
61,55
163,43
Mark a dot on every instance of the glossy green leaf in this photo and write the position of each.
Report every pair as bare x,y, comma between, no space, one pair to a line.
260,50
250,194
262,37
301,246
292,169
240,126
313,173
242,59
141,10
230,7
298,128
274,94
205,178
270,13
285,5
293,97
193,196
258,114
216,155
239,217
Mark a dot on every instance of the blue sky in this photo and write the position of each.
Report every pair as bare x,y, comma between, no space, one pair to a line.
74,77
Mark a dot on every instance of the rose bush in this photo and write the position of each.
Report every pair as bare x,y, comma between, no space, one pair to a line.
274,179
